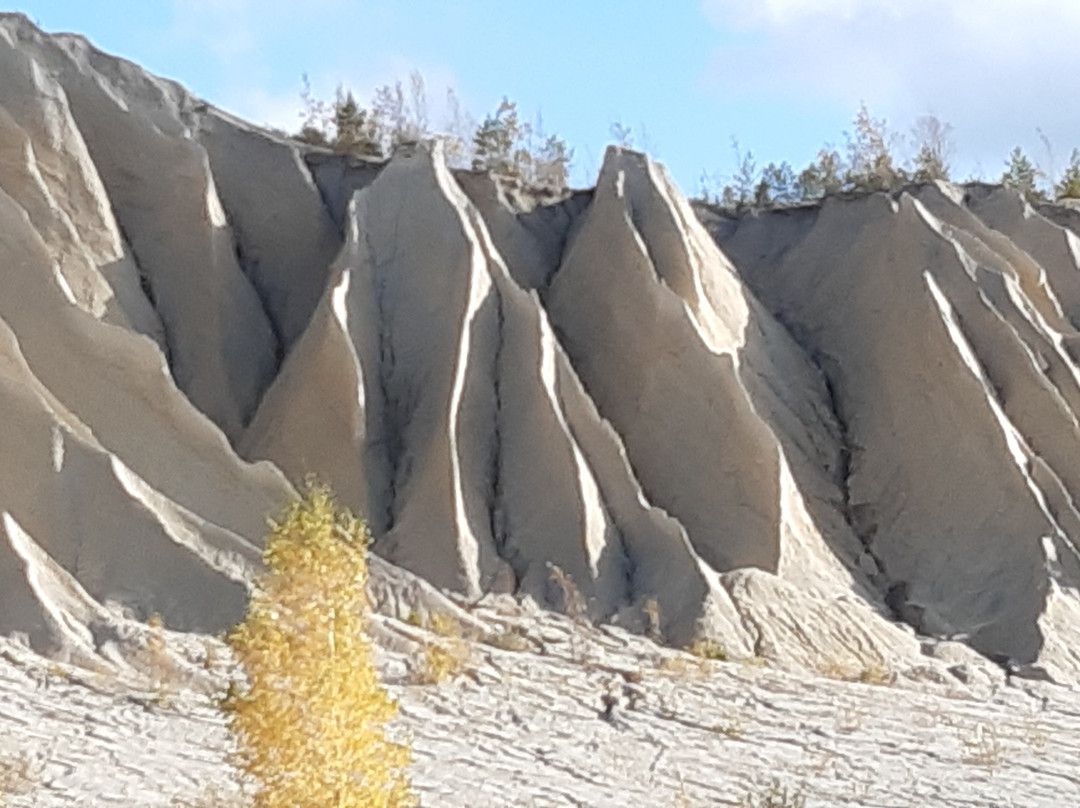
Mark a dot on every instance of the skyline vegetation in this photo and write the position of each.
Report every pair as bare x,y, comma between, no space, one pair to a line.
870,160
873,156
501,143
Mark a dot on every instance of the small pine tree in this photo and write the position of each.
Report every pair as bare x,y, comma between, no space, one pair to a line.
931,162
782,183
870,160
310,720
763,195
744,183
1068,187
822,177
622,135
728,199
357,129
402,119
505,146
495,140
1021,174
552,164
457,131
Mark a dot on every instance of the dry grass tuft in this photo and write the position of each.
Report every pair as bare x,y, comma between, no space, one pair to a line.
875,673
708,649
441,661
1035,738
871,673
981,746
158,664
653,628
213,798
444,658
510,639
445,625
775,795
567,596
18,775
832,669
684,666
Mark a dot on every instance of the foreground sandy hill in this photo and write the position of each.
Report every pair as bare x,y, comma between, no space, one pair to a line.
567,715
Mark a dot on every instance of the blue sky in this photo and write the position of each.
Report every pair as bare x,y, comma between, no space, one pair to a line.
781,76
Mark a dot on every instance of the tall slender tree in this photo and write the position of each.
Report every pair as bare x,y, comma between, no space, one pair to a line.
310,718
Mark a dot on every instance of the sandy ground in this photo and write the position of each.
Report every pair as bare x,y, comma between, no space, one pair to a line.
577,716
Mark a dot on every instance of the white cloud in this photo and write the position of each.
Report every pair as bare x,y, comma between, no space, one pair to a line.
995,68
252,43
982,15
235,29
773,13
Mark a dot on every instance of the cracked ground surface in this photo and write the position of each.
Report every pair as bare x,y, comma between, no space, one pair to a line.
575,716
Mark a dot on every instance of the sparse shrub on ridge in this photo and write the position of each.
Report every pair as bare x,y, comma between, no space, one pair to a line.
871,165
310,719
502,143
822,177
1068,187
356,128
1022,175
934,139
868,163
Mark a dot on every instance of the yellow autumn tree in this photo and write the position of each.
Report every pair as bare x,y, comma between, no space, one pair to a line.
310,719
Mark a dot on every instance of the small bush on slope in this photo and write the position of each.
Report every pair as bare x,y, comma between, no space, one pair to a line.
1022,175
310,721
1069,185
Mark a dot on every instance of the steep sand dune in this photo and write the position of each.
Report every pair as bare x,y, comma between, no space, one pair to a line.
48,170
435,340
672,349
117,384
105,533
312,419
1056,249
637,351
41,601
501,463
957,396
285,237
223,357
115,488
431,387
811,434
